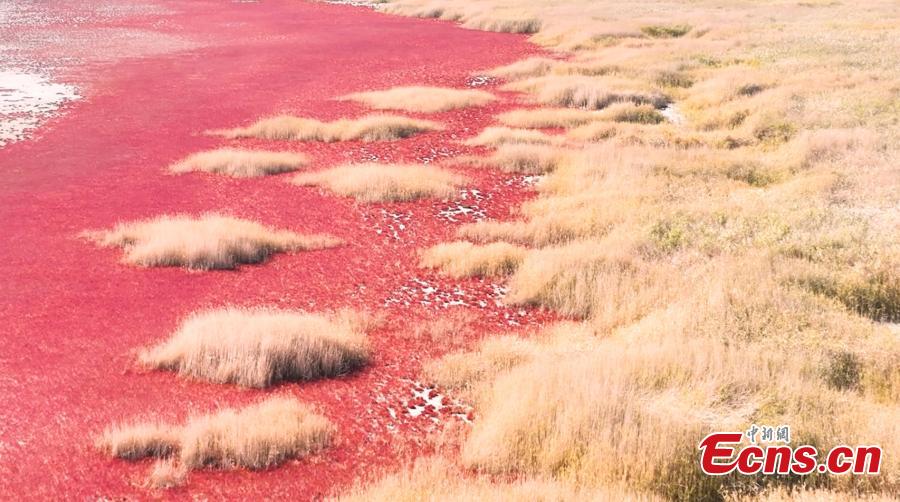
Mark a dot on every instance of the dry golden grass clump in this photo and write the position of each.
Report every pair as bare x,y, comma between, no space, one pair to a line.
262,347
422,99
638,114
368,128
240,163
464,259
506,21
384,182
588,278
530,67
527,158
666,31
463,371
586,92
140,440
545,118
258,436
497,136
211,241
569,118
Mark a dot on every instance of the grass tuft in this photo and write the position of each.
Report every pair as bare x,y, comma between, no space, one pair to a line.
211,241
384,182
262,347
368,128
497,136
255,437
239,163
422,99
464,259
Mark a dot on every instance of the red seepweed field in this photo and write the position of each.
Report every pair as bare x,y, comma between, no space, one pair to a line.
152,79
450,250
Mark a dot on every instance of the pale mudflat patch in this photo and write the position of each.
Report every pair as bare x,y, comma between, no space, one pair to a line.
422,99
240,163
377,127
261,347
384,182
258,436
211,241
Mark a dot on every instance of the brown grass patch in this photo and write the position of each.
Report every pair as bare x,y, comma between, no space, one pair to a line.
258,436
666,31
211,241
262,347
422,99
240,163
761,213
464,259
368,128
384,182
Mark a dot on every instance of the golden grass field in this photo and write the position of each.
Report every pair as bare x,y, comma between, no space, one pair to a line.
719,216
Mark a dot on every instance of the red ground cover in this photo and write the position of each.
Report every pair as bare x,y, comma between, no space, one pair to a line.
71,315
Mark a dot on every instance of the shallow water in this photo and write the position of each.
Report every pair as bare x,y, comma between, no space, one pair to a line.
27,99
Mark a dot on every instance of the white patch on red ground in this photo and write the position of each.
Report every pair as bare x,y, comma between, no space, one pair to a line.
466,208
428,402
524,181
479,80
28,99
478,293
427,294
393,223
353,3
364,154
437,153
